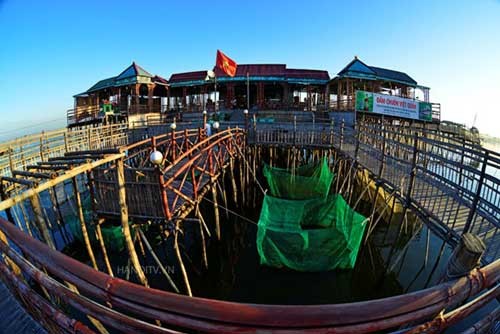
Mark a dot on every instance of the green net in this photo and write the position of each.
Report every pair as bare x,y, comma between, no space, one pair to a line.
303,228
309,235
307,181
112,235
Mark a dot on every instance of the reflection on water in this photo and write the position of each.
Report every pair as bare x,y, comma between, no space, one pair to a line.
390,263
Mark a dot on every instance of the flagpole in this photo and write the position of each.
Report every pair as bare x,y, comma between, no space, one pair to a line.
215,95
248,91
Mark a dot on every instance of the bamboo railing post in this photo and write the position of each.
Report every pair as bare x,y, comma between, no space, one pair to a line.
103,249
65,138
203,242
122,198
89,138
58,214
342,126
233,181
41,147
81,217
213,187
331,132
40,221
477,196
294,130
382,161
179,258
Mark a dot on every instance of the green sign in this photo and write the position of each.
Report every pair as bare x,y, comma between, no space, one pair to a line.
364,101
393,106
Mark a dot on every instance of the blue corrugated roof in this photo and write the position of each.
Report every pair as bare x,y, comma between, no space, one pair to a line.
357,69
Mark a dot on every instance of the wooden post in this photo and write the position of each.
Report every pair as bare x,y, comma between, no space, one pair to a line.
82,223
40,221
122,198
465,257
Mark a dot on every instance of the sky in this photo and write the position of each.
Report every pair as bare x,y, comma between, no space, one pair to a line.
52,50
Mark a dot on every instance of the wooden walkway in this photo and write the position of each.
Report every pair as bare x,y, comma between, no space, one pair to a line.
13,317
433,174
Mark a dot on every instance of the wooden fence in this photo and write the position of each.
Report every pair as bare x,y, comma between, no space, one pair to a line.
21,152
449,181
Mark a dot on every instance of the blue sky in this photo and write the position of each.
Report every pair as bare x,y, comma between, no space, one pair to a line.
54,49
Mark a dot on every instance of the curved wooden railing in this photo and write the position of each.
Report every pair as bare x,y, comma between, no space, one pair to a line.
116,302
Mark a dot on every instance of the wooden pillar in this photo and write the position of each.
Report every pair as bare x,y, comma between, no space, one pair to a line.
184,94
260,95
229,95
286,96
168,98
327,97
339,93
122,199
309,102
136,90
203,98
151,88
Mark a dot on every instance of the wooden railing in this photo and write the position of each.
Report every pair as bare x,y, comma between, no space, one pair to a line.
191,159
82,114
127,307
455,183
21,152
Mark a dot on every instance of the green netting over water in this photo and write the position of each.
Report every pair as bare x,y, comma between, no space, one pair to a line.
318,232
112,235
309,235
308,181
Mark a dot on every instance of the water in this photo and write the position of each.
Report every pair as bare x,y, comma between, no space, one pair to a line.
387,265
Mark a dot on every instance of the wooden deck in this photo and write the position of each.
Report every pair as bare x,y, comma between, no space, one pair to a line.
13,317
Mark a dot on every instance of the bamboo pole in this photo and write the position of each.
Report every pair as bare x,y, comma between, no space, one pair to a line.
216,207
139,240
203,242
179,258
157,260
40,221
122,197
58,214
81,217
104,251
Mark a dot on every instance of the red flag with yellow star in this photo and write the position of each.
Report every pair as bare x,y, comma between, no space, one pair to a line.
226,64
